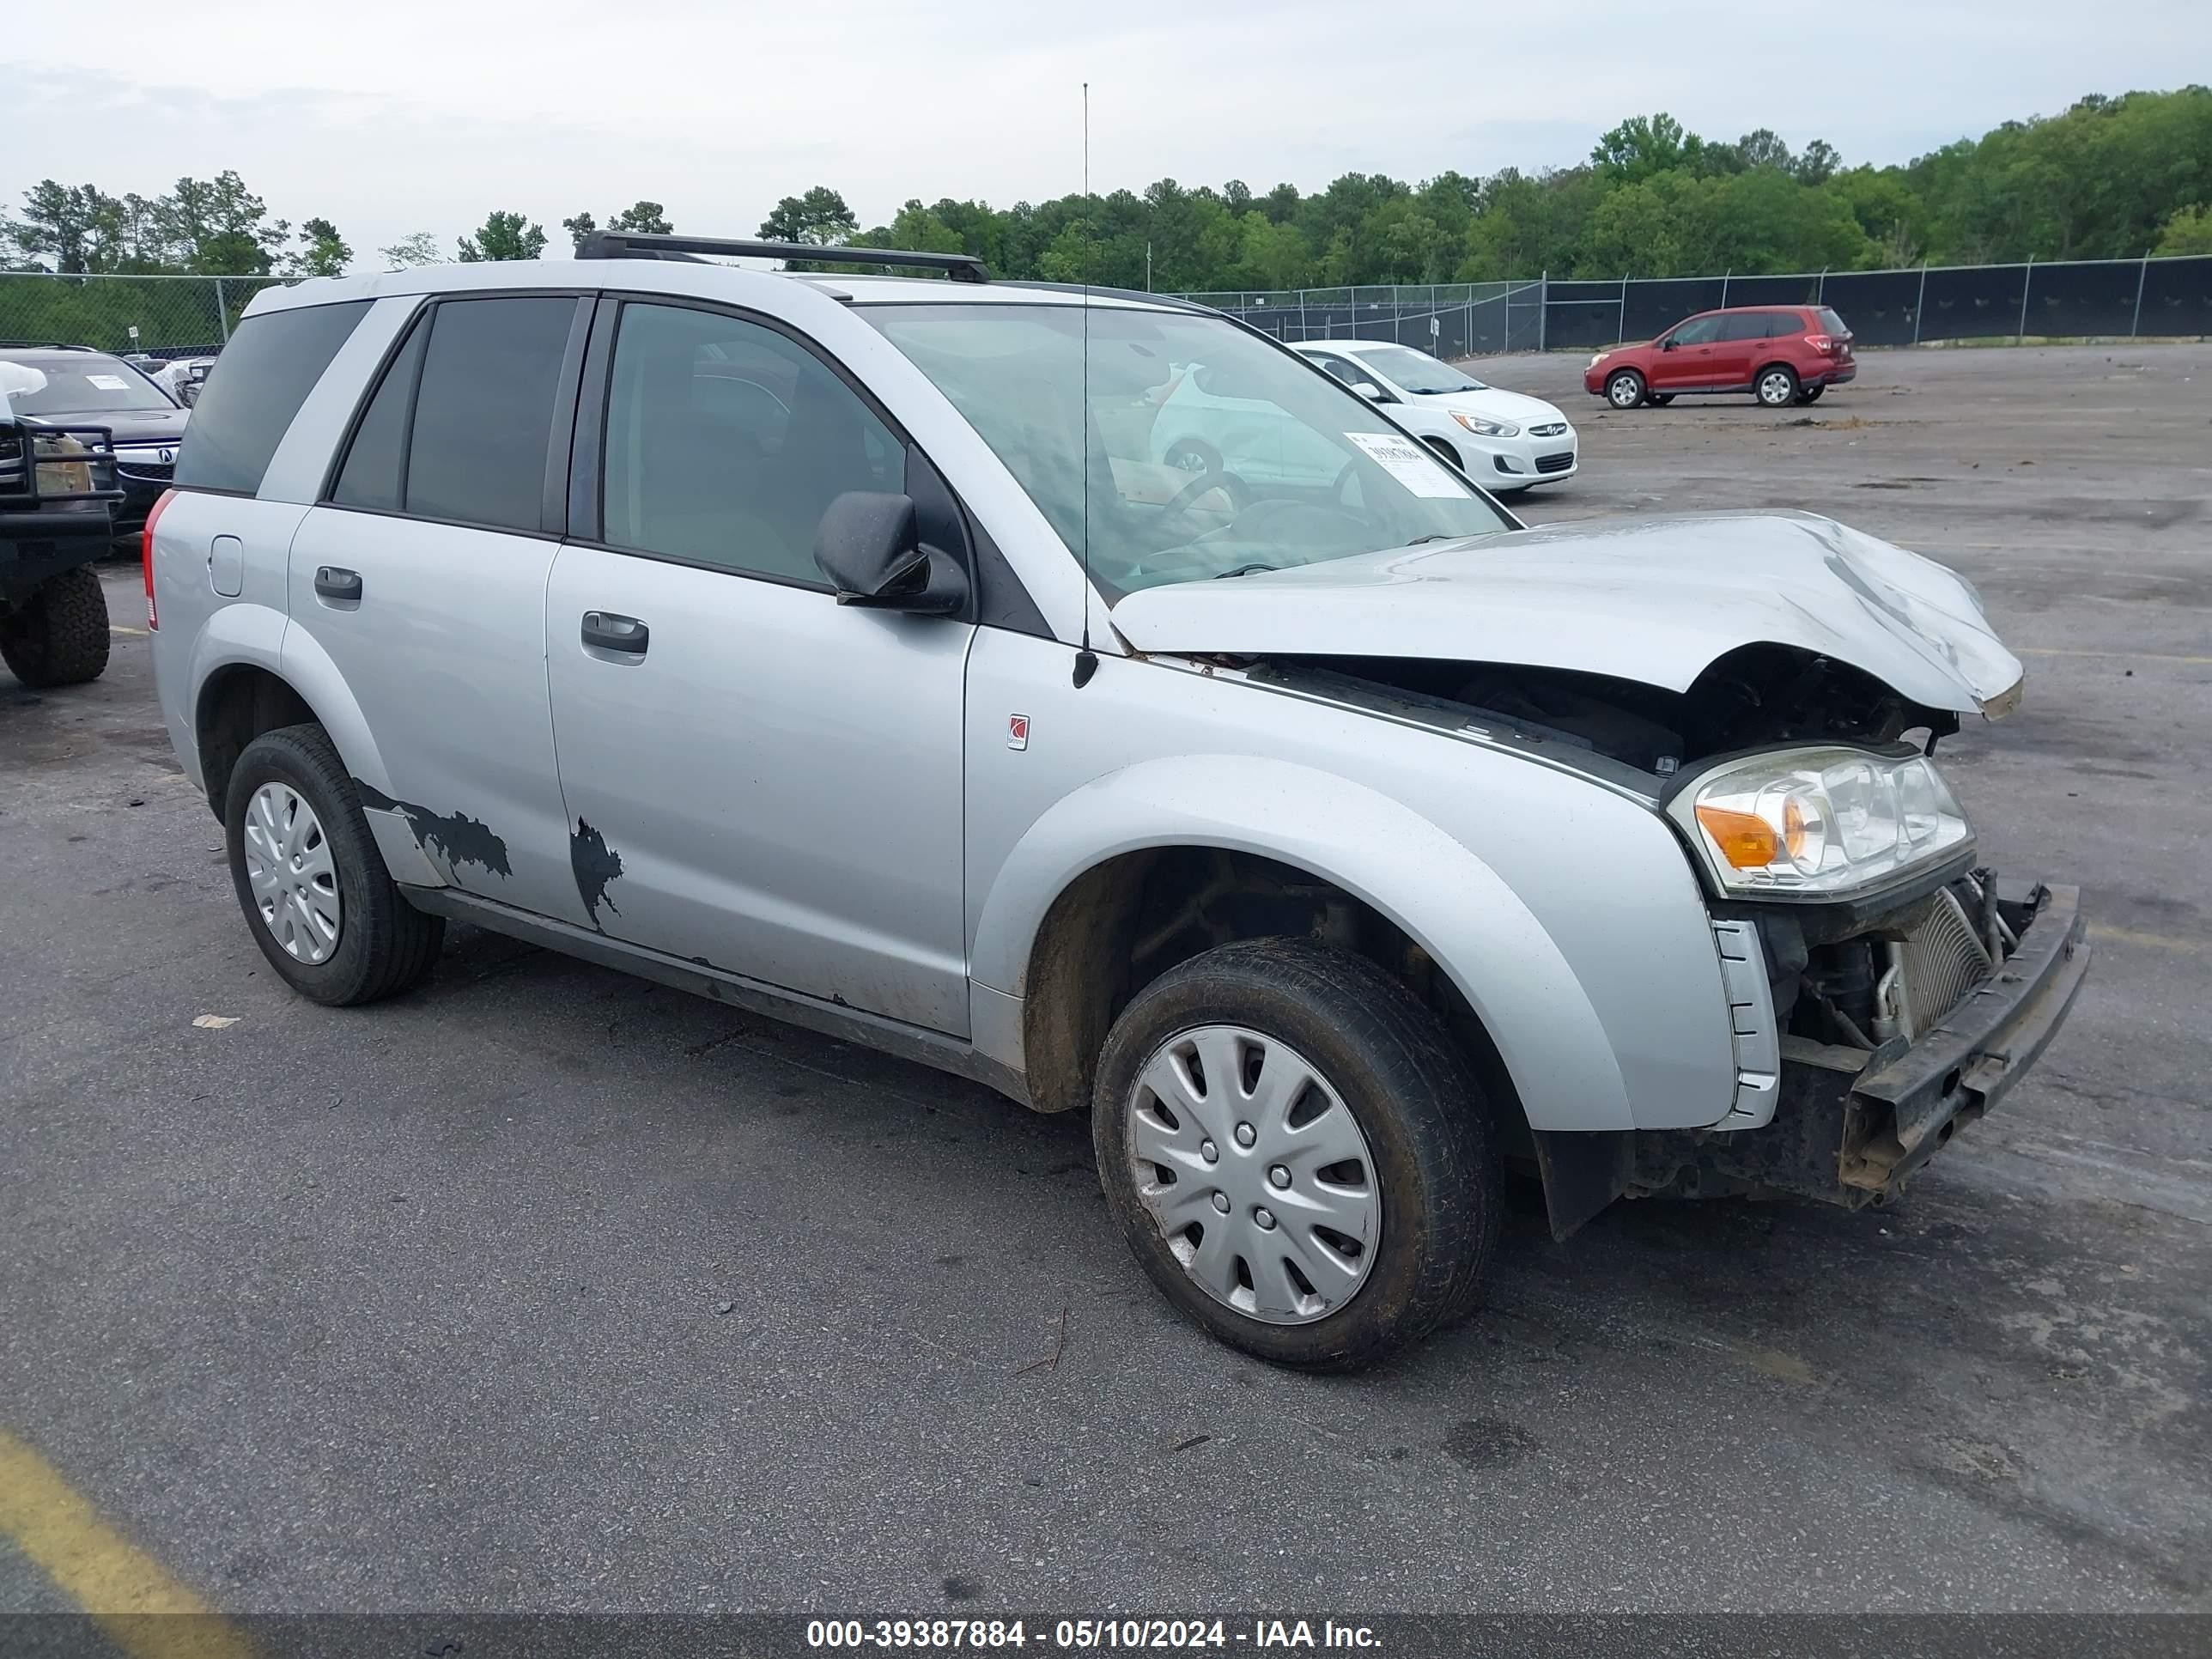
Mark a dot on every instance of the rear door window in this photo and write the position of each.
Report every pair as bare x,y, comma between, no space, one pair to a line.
263,375
484,410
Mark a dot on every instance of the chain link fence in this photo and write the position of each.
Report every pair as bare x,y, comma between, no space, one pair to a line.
2122,299
160,316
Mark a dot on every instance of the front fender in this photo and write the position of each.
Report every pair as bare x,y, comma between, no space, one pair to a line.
1448,901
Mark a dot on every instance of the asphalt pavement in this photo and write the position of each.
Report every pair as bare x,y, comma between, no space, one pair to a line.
548,1289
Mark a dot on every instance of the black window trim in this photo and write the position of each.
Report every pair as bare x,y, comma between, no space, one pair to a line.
559,437
587,454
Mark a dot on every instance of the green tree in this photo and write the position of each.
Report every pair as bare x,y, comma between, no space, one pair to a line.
411,252
818,218
2187,230
503,236
323,252
217,227
643,218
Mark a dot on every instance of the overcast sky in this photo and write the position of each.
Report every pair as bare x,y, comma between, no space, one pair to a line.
392,116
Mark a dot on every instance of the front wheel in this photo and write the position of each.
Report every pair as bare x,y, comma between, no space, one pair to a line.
59,636
1296,1153
1444,452
1811,394
1661,399
1624,390
322,906
1777,387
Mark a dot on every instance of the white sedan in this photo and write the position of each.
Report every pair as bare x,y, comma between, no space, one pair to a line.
1503,441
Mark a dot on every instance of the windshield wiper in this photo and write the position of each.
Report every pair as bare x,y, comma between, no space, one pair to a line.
1244,570
1435,536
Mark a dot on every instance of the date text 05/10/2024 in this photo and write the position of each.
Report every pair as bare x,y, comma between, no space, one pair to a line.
1087,1634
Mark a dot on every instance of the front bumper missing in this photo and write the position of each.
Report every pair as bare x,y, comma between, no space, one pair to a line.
1851,1126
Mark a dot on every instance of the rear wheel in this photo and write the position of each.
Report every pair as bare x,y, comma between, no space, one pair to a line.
59,636
1195,456
1624,390
322,906
1296,1153
1776,386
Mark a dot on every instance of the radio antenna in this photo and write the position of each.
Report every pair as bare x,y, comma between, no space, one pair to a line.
1086,659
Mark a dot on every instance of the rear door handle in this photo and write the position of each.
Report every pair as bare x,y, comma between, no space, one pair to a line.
605,631
333,583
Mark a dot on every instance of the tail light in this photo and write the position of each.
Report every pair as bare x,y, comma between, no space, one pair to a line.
1820,343
146,556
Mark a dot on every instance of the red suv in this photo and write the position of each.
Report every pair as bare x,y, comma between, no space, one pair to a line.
1781,355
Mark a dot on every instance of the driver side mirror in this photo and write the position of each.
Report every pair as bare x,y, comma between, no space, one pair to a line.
1665,345
870,548
1372,393
189,392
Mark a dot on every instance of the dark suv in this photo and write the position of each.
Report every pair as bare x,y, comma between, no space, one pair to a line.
75,385
57,502
1781,355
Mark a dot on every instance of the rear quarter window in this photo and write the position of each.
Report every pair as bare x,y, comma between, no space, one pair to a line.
256,387
1832,321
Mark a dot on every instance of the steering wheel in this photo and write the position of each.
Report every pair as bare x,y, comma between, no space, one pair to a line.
1192,493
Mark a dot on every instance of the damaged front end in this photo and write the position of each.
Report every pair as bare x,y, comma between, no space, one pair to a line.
1886,1032
1892,1038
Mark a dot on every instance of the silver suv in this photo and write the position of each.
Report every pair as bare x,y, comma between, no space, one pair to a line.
834,646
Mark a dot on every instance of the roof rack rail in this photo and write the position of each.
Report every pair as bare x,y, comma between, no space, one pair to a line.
45,345
644,244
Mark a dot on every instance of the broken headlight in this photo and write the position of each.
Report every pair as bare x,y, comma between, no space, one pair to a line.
1819,823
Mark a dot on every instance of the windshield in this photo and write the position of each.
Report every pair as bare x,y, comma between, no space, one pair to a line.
1208,452
1416,371
86,384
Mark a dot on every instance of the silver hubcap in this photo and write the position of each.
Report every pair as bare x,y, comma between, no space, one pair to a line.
1625,393
1775,388
293,878
1256,1173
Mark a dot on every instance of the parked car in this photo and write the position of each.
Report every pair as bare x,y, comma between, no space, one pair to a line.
1503,441
1332,841
76,384
183,377
1781,355
57,499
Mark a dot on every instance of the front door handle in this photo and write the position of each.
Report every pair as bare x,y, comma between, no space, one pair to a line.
332,583
605,631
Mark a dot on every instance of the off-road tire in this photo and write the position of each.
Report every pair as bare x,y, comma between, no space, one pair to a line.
59,635
385,944
1429,1131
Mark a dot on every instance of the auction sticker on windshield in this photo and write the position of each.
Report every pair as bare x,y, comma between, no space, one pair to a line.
1407,462
109,382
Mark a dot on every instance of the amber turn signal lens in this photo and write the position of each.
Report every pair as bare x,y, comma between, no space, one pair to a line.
1745,841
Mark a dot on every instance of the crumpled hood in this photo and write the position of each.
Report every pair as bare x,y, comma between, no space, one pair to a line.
1654,600
1496,404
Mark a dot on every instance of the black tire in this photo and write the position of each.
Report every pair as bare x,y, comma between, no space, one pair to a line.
1625,388
1811,394
385,945
1775,386
1660,400
59,636
1445,453
1431,1144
